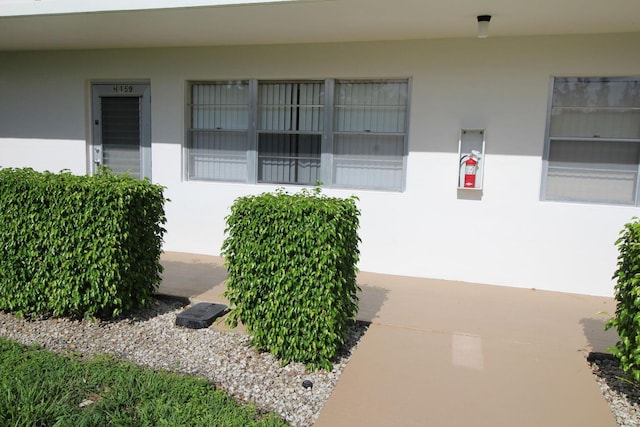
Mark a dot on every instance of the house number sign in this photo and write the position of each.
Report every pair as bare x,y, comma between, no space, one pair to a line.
122,89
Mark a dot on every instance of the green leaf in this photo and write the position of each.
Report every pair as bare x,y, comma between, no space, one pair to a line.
291,262
81,246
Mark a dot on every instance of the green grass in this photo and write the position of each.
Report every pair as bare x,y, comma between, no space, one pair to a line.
41,388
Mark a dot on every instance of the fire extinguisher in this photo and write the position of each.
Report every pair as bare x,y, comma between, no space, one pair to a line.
470,168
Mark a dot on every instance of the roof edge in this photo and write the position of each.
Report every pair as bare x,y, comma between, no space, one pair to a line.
17,8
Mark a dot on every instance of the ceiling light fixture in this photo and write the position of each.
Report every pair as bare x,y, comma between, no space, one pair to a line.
483,26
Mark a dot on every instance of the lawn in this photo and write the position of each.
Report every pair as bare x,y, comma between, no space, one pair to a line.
41,388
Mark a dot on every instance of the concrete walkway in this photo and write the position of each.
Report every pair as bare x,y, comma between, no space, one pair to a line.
441,353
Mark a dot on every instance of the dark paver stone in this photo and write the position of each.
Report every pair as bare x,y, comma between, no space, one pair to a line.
200,315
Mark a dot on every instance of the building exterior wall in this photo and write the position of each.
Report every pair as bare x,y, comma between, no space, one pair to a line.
504,235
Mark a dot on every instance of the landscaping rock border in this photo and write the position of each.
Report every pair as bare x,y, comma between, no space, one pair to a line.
622,394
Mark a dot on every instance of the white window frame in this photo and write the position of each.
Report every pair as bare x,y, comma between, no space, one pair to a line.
595,139
327,134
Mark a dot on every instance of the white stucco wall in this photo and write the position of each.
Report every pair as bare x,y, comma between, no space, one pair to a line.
505,237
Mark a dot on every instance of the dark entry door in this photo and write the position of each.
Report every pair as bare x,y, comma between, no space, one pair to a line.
122,128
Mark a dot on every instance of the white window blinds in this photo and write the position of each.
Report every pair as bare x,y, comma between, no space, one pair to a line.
218,136
369,134
596,108
347,133
594,140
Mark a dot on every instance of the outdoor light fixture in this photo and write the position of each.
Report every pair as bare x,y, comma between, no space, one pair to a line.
483,26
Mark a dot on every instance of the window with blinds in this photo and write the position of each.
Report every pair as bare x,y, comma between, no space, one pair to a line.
290,126
369,134
344,133
593,145
217,139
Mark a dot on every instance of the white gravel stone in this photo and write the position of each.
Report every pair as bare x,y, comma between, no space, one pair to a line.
622,394
151,338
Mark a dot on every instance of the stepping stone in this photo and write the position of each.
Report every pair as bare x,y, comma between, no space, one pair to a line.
200,315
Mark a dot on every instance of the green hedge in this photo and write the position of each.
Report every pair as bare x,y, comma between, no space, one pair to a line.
627,318
291,261
78,245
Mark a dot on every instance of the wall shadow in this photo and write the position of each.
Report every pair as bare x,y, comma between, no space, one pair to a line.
445,94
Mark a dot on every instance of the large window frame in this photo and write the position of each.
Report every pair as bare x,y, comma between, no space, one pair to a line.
592,141
295,133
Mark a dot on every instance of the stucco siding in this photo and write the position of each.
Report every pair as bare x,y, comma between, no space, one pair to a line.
503,235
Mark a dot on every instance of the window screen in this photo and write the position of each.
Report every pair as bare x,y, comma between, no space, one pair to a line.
217,140
121,134
369,134
594,140
291,118
293,132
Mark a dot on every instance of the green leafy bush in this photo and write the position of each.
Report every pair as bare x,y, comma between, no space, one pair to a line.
78,245
291,260
627,318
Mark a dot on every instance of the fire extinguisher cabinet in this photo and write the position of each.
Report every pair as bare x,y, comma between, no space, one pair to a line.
471,159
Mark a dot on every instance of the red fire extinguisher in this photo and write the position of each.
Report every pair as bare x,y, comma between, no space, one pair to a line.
470,167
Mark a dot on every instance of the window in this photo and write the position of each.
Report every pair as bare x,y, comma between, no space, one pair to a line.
593,145
369,134
218,137
290,124
349,134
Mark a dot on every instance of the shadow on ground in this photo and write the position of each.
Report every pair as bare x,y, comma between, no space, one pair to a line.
370,301
189,276
599,340
162,304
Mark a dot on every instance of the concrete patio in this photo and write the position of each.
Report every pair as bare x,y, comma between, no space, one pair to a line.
442,353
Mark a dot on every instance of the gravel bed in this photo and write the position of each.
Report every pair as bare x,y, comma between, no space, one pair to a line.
151,338
622,395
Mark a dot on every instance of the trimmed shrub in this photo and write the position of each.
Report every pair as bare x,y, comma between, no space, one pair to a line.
78,245
627,293
291,261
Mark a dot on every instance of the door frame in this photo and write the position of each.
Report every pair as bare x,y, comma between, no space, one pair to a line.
129,88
